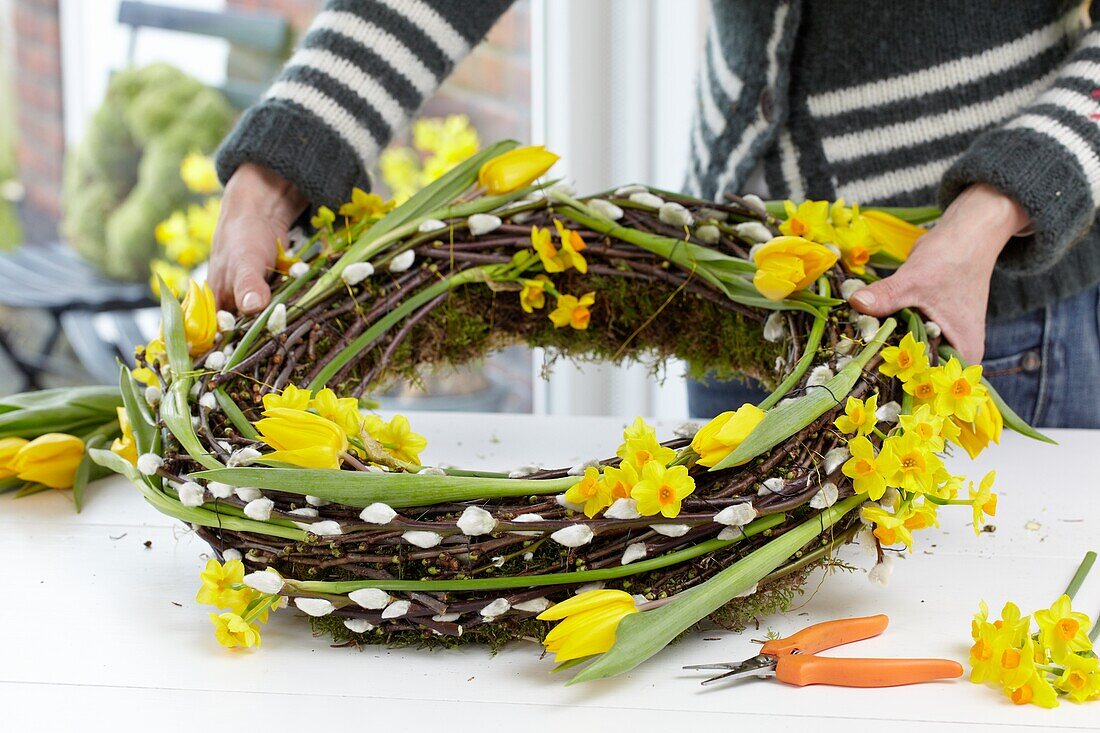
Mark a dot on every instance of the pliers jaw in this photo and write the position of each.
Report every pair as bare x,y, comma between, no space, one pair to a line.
761,666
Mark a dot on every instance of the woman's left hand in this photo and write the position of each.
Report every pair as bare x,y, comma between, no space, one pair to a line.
947,273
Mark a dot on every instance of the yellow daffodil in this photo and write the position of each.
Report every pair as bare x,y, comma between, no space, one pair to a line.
153,353
533,295
985,652
917,466
515,169
323,219
890,528
559,260
640,446
50,460
906,360
1081,678
572,244
983,500
661,490
868,471
721,436
1063,631
921,515
344,411
588,623
9,448
959,391
859,416
922,387
223,586
291,398
397,437
809,220
283,259
232,631
301,438
1036,691
987,425
855,242
200,318
926,425
365,205
199,174
1015,661
620,481
787,264
590,492
894,236
124,446
572,311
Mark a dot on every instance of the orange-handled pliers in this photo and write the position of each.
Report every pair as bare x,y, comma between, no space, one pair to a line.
792,659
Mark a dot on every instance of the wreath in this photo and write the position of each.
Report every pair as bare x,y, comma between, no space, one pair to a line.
252,430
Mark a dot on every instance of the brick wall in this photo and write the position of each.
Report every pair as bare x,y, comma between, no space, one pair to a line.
492,85
41,143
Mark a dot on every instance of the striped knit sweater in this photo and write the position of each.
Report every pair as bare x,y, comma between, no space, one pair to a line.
902,102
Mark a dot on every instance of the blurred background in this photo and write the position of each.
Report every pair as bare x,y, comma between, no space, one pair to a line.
108,108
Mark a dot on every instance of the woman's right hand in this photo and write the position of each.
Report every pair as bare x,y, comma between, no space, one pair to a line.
257,210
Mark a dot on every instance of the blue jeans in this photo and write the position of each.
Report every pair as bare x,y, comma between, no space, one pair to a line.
1045,364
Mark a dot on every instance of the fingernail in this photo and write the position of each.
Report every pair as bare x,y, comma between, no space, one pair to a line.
864,298
250,302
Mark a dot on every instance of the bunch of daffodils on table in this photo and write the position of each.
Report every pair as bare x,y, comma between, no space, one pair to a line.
255,432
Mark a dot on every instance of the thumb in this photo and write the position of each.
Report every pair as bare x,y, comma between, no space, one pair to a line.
886,296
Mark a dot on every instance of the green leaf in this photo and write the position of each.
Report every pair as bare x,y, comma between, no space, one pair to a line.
813,340
176,413
360,488
9,484
229,407
641,635
1011,419
403,220
57,411
137,411
93,399
787,419
175,335
538,581
29,489
84,471
170,505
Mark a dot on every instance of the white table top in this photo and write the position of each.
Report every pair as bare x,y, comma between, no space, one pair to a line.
101,633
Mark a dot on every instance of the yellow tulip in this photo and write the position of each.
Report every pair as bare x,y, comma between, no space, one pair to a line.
50,459
987,426
291,397
787,264
124,446
9,447
200,318
344,411
515,169
894,236
721,436
302,439
590,621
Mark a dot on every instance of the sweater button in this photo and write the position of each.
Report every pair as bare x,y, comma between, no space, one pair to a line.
767,104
